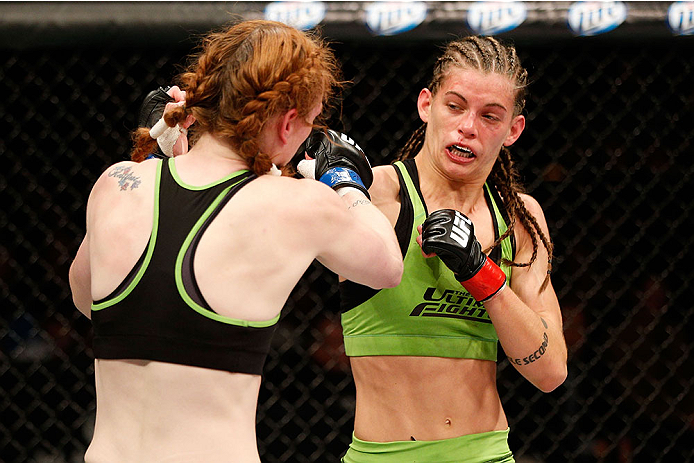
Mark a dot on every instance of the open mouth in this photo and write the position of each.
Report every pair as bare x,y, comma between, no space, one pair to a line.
461,151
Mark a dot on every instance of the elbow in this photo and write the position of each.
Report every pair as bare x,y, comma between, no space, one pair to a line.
83,304
72,279
81,295
394,273
389,275
84,308
553,379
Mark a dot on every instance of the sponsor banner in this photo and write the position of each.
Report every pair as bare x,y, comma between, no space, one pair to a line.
593,18
680,18
392,18
302,15
36,24
491,18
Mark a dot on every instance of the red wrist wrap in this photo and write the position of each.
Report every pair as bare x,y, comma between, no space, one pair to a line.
487,282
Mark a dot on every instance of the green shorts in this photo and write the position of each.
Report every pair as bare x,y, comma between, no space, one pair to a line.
486,447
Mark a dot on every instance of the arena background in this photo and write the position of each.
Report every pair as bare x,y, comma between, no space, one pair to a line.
607,151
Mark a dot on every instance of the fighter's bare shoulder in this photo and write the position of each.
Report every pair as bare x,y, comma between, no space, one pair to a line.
125,176
299,198
385,184
385,191
533,206
523,239
315,194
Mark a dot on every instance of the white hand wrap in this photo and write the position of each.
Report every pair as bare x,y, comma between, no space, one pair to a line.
166,136
307,168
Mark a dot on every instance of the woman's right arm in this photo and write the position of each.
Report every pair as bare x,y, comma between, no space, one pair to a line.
361,244
355,240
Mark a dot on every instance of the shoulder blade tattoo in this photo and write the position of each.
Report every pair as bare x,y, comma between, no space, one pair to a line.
126,179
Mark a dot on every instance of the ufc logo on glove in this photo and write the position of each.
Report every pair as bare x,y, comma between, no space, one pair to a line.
460,232
451,236
350,141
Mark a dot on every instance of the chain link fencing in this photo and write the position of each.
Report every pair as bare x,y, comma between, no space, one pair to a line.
607,151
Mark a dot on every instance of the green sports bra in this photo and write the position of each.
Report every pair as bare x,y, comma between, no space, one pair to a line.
429,313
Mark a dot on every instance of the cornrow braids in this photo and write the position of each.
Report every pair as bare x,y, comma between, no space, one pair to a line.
489,55
505,178
414,144
486,54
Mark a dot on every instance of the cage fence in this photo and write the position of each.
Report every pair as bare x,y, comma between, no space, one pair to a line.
607,151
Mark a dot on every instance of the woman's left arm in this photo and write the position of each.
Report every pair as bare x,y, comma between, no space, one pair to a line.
528,320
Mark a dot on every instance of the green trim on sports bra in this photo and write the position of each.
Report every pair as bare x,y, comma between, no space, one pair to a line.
150,248
178,271
177,178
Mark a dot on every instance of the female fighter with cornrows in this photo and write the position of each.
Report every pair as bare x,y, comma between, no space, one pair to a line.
424,354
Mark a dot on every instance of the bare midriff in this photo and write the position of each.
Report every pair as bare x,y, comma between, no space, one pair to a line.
425,398
151,411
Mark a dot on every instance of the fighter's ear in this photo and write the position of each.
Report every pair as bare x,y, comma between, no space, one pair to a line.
424,104
286,123
517,127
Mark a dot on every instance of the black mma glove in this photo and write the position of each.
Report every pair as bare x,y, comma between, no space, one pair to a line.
152,109
339,161
451,235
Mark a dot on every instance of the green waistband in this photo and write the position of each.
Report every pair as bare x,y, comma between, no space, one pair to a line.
486,447
421,345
